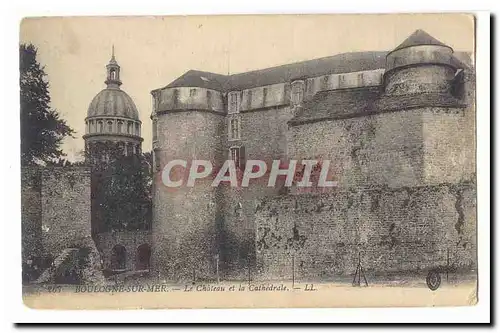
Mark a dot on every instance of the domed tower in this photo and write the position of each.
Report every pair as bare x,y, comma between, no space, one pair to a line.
421,64
112,118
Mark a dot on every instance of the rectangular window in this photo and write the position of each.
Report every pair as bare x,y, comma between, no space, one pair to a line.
325,83
237,154
233,102
249,100
192,93
310,84
155,130
234,129
157,161
209,98
360,79
297,95
264,96
175,97
341,80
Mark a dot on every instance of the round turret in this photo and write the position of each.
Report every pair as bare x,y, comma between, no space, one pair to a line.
421,64
188,124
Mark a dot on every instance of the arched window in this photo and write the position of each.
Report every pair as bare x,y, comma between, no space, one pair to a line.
100,126
118,257
119,126
137,128
129,127
110,126
112,74
143,257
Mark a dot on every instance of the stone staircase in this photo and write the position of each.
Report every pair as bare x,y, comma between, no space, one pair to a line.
65,258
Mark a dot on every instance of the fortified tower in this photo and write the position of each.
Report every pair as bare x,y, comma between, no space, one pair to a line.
188,124
426,83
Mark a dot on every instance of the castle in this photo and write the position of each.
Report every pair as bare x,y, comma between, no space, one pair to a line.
398,127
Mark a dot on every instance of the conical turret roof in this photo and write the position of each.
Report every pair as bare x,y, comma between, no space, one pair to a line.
419,37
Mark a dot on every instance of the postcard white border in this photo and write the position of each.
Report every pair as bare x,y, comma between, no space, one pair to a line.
17,312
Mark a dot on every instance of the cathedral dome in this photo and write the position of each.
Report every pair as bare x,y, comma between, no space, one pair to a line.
113,102
112,117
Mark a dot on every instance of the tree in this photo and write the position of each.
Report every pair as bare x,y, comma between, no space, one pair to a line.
42,129
121,190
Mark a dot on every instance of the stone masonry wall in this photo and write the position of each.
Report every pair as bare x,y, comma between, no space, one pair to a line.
31,213
363,151
65,209
185,219
404,148
391,230
56,216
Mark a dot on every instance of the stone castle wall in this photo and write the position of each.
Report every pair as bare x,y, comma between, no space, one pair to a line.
31,213
56,217
391,230
405,148
55,210
65,209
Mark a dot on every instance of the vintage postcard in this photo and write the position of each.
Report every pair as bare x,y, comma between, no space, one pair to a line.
248,161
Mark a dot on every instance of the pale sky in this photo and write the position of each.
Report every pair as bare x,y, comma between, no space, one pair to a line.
153,51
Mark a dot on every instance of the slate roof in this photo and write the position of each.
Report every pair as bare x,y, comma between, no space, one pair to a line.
114,103
195,78
419,37
341,63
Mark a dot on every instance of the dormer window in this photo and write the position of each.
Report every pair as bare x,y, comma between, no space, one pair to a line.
192,92
175,96
360,79
341,80
233,102
325,83
209,97
249,99
297,92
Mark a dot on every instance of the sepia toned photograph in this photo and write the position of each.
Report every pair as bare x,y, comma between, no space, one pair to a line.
248,161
